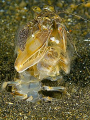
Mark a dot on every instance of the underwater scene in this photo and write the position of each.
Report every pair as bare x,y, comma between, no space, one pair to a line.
45,60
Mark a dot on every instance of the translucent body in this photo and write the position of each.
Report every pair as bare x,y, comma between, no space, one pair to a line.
43,50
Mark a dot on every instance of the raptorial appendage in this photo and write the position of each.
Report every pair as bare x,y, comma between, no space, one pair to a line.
43,50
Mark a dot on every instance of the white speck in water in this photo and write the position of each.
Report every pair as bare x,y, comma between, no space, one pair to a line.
3,0
86,40
23,17
1,10
25,8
